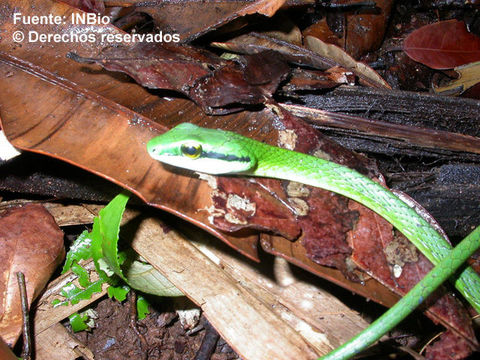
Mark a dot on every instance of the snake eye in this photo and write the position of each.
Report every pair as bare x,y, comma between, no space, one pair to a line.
192,151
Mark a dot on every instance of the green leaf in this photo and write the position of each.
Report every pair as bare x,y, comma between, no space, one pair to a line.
110,217
80,250
144,277
104,237
82,273
118,292
78,322
73,294
138,275
101,244
96,249
142,307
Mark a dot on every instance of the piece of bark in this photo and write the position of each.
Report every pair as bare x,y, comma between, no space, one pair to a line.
436,141
449,192
46,314
402,107
39,175
57,343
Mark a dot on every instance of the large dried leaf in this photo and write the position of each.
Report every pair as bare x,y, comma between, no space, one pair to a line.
365,73
83,115
318,55
32,243
117,89
443,45
190,19
205,78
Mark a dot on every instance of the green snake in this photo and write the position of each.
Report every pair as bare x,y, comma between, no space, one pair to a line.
220,152
409,302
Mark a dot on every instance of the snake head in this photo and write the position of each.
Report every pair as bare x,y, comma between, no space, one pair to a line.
204,150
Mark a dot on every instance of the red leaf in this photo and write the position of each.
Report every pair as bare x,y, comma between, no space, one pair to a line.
449,347
443,45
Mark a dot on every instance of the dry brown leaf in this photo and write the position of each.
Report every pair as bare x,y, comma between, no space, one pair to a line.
468,76
32,243
191,18
5,352
363,71
263,7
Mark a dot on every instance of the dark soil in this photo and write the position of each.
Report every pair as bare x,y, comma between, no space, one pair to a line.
114,338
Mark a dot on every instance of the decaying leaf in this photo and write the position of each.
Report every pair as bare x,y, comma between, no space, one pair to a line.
210,81
314,80
93,6
448,347
32,243
365,73
191,19
468,76
319,55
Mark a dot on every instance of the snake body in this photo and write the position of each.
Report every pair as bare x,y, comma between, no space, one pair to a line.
223,152
409,302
